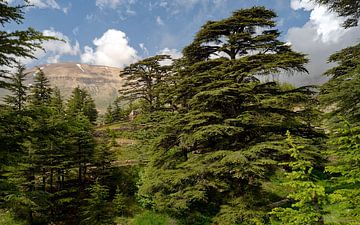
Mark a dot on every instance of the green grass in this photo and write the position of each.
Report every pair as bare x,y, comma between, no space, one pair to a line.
6,218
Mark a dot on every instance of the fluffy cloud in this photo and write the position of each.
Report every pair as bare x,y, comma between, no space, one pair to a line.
320,37
54,50
112,49
113,3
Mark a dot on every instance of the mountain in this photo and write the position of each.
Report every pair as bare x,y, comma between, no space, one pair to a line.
102,82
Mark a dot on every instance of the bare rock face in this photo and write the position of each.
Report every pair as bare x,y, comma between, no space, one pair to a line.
102,82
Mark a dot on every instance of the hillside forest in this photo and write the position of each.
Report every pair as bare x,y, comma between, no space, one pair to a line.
211,138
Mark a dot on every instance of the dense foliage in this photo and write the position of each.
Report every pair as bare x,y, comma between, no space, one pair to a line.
210,138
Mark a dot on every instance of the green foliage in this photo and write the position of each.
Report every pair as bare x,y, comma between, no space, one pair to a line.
346,172
81,102
144,80
308,197
151,218
18,89
341,92
17,43
7,218
97,210
119,202
40,90
227,134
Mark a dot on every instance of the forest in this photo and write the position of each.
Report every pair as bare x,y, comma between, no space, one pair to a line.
211,138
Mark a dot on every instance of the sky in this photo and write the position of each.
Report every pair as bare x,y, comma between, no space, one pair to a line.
120,32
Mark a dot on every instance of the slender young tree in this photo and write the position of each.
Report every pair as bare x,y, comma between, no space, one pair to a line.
18,89
40,90
308,198
82,102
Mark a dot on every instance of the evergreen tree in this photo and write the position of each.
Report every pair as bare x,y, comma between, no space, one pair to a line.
40,90
16,43
109,116
97,210
308,197
142,79
81,102
227,136
18,89
340,95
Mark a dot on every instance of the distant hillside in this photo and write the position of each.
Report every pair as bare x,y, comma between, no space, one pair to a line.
102,82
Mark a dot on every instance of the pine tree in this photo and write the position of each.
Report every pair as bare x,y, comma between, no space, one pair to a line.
109,116
81,102
97,209
345,148
40,90
142,79
16,43
340,95
227,135
18,89
308,197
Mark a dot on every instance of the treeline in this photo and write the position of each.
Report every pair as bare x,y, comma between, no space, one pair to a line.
226,143
52,167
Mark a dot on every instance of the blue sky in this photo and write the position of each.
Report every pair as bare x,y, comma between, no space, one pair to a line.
119,32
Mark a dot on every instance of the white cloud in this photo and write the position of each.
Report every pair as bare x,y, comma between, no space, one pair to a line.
54,50
174,53
302,4
159,21
112,49
327,24
43,4
113,3
320,37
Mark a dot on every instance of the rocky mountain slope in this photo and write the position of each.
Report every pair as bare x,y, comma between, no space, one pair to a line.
102,82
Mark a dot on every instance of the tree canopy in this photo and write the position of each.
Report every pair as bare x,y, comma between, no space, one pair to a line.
19,43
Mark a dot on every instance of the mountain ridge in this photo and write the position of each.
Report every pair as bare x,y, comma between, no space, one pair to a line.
102,82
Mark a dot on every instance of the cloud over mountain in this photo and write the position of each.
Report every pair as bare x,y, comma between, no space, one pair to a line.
111,49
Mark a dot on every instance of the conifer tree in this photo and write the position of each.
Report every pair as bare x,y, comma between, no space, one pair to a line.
97,210
308,197
40,89
142,79
18,43
228,133
346,172
109,117
81,102
341,95
18,89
